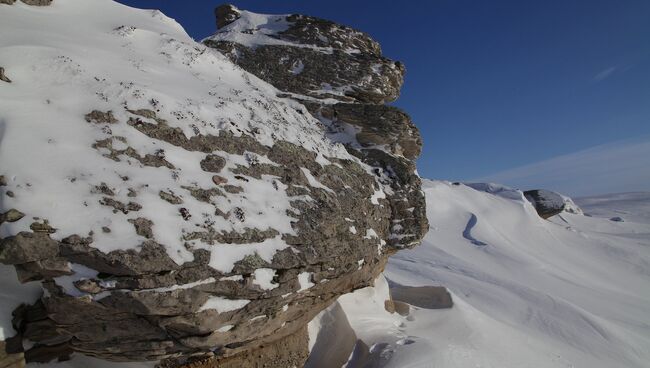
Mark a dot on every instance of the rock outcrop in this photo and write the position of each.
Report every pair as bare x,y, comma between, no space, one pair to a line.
3,77
181,209
546,202
339,74
28,2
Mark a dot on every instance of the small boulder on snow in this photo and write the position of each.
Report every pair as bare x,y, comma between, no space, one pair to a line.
429,297
546,203
3,77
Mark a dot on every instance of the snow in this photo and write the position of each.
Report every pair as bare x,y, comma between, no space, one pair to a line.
225,328
304,279
297,67
371,233
81,272
222,305
182,286
631,206
223,259
82,361
313,182
376,196
12,294
568,292
264,278
253,30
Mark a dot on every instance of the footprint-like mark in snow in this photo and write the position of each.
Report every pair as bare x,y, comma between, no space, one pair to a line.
467,233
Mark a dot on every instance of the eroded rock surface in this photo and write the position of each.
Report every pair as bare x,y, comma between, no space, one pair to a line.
339,74
213,219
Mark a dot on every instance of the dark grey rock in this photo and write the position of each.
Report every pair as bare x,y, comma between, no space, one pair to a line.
225,14
27,247
12,215
99,117
43,269
213,163
170,197
546,203
3,77
326,56
143,227
429,297
37,2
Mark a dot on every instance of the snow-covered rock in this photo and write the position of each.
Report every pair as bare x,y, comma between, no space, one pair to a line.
169,203
546,202
340,76
336,61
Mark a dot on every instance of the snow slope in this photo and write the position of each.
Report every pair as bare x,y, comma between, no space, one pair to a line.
570,292
633,207
132,59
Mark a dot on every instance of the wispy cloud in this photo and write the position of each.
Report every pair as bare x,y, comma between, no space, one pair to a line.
604,74
622,166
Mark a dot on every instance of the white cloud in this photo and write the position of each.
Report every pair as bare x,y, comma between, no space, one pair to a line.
604,74
622,166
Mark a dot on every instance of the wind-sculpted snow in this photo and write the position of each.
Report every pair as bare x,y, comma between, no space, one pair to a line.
570,291
467,233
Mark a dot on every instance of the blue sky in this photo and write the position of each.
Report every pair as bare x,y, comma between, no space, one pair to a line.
494,85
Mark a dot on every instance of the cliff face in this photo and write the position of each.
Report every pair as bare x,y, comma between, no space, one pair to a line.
171,204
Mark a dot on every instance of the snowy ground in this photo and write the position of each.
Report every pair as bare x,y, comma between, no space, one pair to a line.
570,292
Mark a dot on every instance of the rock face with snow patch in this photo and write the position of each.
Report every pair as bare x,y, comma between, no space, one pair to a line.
307,55
172,205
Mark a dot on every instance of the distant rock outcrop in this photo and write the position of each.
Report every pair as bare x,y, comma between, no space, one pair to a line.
180,209
28,2
546,203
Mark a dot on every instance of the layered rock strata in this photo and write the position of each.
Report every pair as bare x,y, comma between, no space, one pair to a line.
183,209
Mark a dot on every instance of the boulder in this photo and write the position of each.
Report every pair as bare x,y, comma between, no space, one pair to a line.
546,202
37,2
3,77
339,75
308,55
429,297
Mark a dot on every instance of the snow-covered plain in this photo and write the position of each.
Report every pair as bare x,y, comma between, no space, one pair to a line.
573,291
